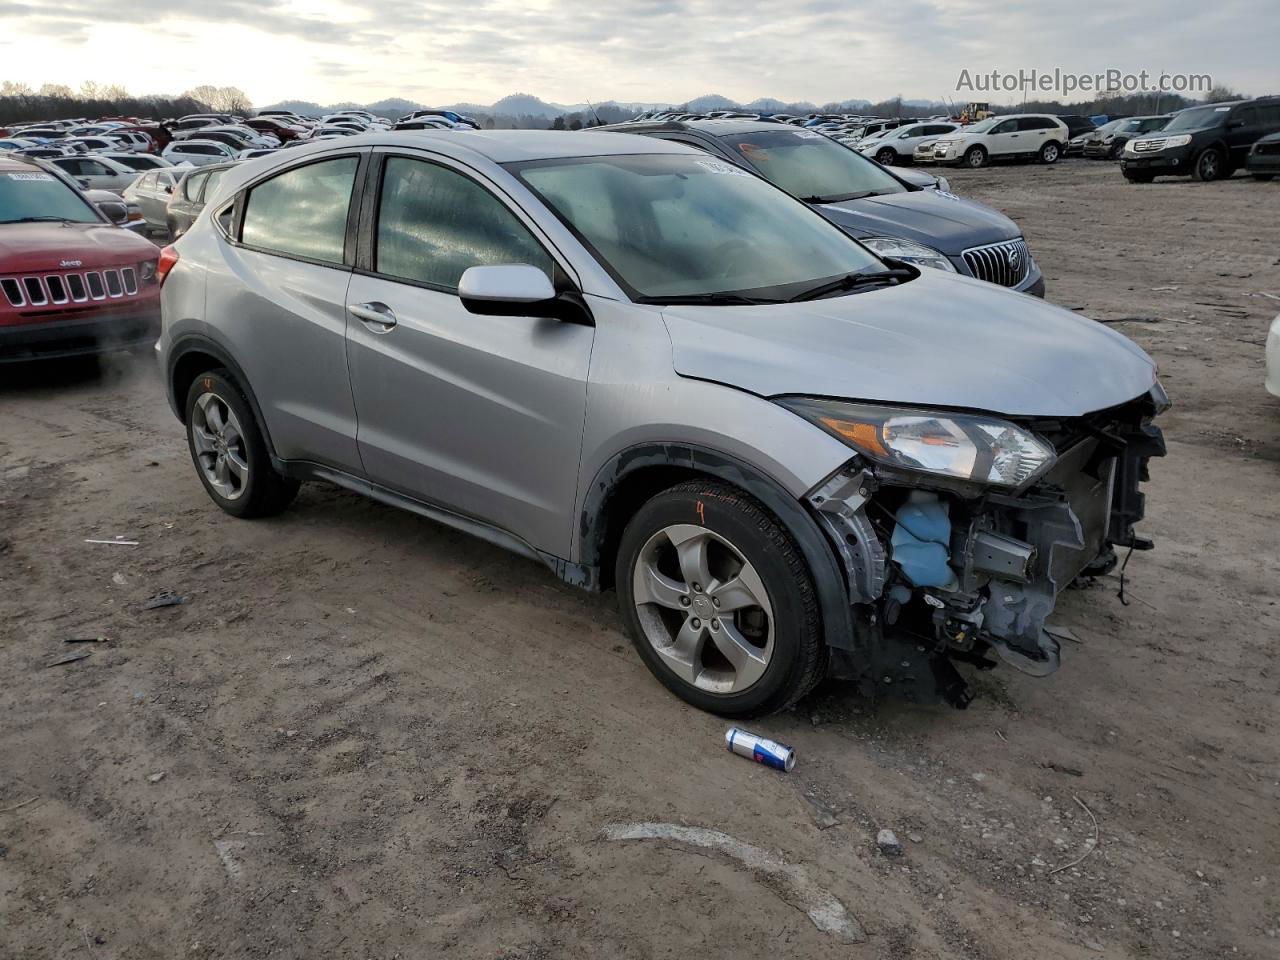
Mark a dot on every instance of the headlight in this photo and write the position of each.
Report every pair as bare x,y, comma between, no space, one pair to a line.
956,445
1179,141
944,185
916,253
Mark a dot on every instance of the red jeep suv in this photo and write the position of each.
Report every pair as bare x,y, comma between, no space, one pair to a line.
71,282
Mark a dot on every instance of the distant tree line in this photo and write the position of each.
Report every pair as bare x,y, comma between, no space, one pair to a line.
21,103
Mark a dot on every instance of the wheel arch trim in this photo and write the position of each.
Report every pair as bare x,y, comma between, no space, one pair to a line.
193,343
594,529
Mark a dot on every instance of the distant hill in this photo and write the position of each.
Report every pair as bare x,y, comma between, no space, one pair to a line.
528,109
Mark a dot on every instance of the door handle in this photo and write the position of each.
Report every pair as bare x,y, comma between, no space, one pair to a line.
378,317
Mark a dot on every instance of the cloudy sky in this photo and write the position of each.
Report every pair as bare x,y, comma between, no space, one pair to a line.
438,51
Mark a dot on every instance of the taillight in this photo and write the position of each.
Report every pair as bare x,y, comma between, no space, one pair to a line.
168,260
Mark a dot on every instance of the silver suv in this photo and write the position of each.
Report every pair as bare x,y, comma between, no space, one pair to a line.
654,372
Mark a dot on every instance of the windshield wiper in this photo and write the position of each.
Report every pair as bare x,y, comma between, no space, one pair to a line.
849,281
42,220
706,299
839,197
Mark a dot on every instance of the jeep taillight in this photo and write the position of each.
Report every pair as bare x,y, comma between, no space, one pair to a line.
168,260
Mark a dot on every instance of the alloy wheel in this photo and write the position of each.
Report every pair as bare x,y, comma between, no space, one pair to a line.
703,608
1209,165
220,446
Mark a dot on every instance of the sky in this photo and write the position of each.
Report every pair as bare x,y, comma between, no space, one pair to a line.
569,51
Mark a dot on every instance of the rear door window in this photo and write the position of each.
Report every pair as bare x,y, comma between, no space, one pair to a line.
303,211
434,223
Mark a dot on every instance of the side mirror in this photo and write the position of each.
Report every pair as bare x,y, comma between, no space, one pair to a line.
519,290
84,182
117,213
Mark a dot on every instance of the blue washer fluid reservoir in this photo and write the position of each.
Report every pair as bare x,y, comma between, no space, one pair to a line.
921,541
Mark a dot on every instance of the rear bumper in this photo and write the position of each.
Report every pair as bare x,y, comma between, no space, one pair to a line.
78,336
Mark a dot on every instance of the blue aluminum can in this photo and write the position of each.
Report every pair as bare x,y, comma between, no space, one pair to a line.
769,752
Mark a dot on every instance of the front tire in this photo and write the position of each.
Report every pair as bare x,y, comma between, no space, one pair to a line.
887,156
1209,166
975,157
229,452
1050,152
719,602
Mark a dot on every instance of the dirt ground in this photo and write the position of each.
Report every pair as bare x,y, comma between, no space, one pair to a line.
367,736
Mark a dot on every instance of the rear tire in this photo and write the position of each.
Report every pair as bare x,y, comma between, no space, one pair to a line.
707,549
229,452
975,157
1050,152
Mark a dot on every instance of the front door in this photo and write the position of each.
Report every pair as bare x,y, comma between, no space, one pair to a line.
480,415
1003,138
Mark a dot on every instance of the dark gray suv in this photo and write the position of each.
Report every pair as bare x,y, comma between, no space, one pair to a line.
895,218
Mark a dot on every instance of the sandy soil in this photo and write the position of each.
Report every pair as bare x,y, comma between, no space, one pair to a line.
364,735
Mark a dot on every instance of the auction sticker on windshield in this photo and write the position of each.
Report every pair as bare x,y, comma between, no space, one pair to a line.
30,176
808,135
715,166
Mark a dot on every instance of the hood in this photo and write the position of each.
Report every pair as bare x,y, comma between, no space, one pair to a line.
940,340
43,247
940,220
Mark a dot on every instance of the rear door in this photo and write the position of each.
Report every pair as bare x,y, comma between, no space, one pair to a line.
1035,132
480,415
1244,127
280,303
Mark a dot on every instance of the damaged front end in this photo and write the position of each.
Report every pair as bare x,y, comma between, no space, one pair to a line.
958,531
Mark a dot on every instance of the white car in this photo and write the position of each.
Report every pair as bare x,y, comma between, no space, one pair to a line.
98,144
899,144
1273,357
1031,136
142,162
252,139
255,153
198,153
94,172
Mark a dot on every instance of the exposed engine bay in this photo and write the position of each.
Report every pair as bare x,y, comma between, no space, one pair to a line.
941,571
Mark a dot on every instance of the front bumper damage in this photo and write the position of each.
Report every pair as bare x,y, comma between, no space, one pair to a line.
940,572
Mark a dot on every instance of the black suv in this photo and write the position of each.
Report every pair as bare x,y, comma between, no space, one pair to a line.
886,212
1205,142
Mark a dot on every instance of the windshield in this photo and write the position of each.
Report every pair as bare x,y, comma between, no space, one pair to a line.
1109,127
812,167
36,195
678,225
1197,118
982,126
